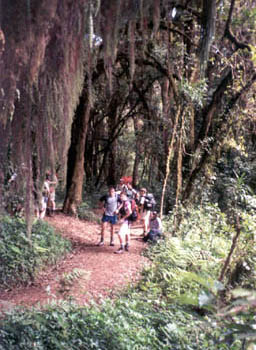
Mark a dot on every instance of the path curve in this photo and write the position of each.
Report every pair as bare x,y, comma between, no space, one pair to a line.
98,271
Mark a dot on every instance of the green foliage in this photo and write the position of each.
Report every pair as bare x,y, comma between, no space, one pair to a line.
176,305
202,242
240,316
71,279
194,92
85,212
132,322
233,181
20,258
242,269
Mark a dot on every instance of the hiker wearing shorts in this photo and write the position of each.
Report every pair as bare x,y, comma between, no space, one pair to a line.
144,212
110,204
125,211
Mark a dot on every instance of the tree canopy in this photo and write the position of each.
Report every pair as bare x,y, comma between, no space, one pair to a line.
100,89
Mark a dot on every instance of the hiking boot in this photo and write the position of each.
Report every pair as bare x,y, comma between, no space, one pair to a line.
112,243
126,247
119,251
101,243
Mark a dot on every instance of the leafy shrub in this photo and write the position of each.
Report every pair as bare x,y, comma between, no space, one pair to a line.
132,322
149,316
20,258
85,212
201,243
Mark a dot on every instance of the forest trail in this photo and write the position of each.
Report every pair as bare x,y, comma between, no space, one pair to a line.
87,273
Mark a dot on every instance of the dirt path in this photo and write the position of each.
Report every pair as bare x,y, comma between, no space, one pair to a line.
88,273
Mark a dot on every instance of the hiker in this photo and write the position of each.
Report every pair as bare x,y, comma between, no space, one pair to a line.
155,228
13,178
44,200
131,192
144,212
110,204
51,205
121,187
125,211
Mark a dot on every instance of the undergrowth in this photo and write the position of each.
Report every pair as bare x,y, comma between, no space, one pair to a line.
20,258
85,212
176,305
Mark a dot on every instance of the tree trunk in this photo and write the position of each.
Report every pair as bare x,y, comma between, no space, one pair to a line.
138,150
75,174
221,128
170,151
112,166
233,246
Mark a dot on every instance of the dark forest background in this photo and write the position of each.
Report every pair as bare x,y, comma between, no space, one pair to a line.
162,91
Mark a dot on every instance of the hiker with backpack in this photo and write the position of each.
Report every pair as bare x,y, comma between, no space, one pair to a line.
125,211
146,204
122,186
110,204
155,228
131,192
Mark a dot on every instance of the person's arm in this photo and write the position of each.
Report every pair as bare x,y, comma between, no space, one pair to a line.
160,224
46,188
141,203
101,205
119,206
102,202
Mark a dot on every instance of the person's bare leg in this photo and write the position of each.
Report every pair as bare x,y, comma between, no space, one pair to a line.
112,231
103,229
121,236
144,224
42,214
121,240
127,239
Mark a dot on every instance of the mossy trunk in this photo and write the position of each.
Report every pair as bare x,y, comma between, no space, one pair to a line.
75,174
42,57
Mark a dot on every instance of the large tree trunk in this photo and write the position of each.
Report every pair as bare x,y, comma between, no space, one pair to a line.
138,152
41,65
75,175
112,165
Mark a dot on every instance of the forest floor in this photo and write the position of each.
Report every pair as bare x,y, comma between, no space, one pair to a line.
88,273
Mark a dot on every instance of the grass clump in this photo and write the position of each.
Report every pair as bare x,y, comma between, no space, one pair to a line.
20,258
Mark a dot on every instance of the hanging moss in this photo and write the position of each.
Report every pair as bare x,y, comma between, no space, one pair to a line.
131,36
44,65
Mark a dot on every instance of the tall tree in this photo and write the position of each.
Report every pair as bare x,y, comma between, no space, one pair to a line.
42,56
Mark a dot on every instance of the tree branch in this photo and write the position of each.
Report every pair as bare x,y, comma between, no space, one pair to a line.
229,35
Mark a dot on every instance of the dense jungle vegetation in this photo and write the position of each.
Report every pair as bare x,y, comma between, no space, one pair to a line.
160,90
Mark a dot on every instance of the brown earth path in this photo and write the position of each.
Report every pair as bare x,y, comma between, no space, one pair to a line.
97,271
